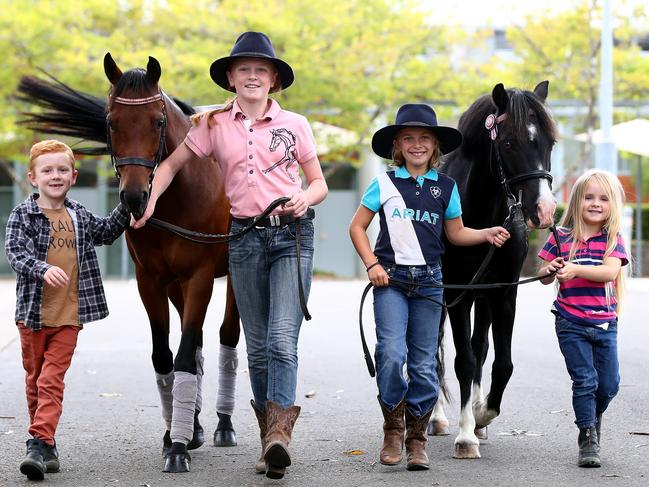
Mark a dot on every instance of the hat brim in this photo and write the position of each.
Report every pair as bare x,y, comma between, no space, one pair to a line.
383,140
219,68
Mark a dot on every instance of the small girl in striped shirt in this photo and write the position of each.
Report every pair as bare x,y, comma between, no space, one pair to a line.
588,261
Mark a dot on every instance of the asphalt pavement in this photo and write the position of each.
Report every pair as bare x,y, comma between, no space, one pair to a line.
111,430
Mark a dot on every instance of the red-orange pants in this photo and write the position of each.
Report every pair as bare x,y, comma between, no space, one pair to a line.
47,354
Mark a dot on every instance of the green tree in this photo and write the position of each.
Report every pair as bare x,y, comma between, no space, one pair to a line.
354,61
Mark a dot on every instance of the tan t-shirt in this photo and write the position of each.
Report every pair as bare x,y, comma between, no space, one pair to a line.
61,305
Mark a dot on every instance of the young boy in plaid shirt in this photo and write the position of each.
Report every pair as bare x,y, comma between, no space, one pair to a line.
50,243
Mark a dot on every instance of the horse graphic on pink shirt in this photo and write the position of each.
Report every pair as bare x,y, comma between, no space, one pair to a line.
288,139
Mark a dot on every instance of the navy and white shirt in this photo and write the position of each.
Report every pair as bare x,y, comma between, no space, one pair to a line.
412,213
27,241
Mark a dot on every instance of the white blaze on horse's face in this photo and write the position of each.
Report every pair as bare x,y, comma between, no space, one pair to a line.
546,204
531,130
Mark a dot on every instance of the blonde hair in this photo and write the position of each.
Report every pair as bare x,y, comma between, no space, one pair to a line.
51,146
572,220
433,163
197,117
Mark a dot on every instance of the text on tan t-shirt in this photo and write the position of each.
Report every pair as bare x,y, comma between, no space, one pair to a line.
60,305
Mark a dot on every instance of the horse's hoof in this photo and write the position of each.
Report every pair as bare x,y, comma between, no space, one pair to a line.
481,433
225,437
438,428
198,439
466,451
177,459
166,443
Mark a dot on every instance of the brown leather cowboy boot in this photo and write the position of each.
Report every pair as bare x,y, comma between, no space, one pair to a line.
416,441
393,431
280,424
260,465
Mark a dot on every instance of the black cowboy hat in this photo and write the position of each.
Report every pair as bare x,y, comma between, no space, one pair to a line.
415,115
251,44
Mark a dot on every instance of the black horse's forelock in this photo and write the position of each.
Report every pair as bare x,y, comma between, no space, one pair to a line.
523,106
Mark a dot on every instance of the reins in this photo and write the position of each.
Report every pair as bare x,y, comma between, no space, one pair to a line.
215,238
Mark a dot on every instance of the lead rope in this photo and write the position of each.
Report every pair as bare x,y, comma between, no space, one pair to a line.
404,286
212,238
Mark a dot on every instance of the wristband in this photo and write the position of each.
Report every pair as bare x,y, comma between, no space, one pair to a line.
373,265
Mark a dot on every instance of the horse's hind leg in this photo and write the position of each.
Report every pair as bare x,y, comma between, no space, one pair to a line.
438,425
224,435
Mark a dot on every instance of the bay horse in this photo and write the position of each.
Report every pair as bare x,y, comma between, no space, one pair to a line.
502,164
139,126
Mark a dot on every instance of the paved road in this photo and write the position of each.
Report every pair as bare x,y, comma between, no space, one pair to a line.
110,433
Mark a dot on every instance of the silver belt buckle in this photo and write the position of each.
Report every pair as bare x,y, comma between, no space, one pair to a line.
274,220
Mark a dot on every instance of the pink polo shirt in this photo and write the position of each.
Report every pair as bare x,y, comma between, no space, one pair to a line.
259,160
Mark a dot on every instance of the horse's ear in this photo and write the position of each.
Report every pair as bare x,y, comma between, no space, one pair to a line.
541,90
153,71
113,73
500,98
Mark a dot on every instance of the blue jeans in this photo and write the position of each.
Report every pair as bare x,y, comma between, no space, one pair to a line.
407,327
590,353
263,269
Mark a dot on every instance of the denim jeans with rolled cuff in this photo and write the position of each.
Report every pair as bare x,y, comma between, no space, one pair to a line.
263,269
591,357
407,328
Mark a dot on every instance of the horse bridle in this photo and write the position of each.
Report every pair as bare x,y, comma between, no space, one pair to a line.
491,124
139,161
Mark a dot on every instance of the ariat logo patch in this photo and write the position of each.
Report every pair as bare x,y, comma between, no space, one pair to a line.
435,191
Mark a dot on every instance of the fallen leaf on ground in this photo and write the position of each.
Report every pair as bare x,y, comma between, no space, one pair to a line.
310,394
354,452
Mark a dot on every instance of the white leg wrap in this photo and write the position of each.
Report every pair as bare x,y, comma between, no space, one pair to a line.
182,423
165,387
199,379
228,363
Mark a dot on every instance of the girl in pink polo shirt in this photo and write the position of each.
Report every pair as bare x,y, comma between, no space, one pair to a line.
588,260
260,148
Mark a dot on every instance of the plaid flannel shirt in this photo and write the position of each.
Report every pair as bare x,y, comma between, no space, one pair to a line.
26,244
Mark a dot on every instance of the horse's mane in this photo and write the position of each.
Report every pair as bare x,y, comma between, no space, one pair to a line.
523,105
71,113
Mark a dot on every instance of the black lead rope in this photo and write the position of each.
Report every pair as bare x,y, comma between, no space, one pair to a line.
212,238
407,287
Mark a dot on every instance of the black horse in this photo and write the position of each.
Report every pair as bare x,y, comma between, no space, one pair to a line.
502,167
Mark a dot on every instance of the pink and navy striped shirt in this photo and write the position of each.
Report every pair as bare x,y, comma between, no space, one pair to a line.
581,300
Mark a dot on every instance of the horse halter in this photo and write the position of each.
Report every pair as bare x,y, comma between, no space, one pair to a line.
491,124
138,161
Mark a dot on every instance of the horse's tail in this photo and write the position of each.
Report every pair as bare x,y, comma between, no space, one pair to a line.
441,366
65,112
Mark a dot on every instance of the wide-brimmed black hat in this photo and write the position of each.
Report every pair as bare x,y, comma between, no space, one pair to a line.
415,115
251,44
